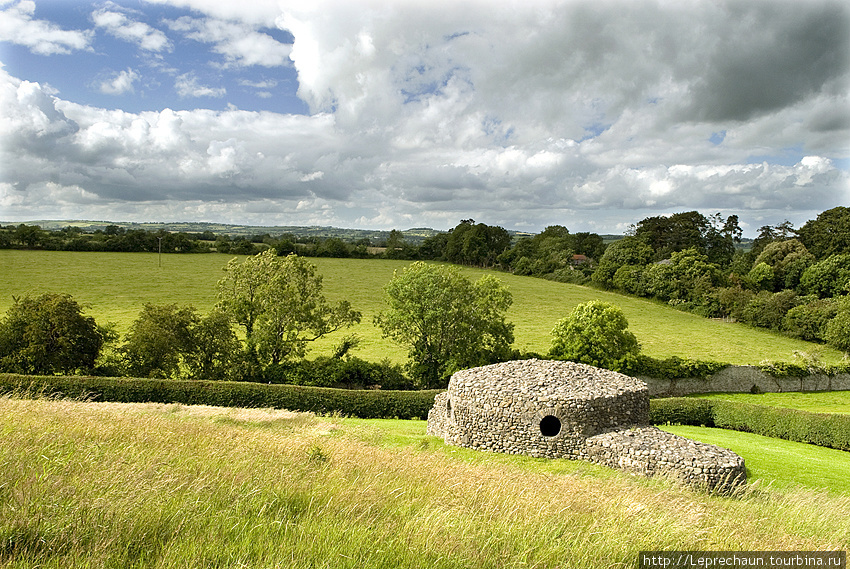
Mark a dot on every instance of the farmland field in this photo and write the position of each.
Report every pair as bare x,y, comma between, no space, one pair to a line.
116,285
117,485
813,402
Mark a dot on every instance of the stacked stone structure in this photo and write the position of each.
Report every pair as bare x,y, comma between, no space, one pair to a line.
559,409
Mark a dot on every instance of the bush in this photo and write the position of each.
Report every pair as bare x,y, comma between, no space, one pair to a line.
808,321
827,430
595,333
349,373
366,404
681,411
672,368
766,310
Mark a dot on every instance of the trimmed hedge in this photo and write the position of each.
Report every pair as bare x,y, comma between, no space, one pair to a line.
823,429
366,404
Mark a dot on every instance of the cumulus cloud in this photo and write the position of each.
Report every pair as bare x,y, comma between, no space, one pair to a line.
239,43
187,85
119,83
116,23
588,114
42,37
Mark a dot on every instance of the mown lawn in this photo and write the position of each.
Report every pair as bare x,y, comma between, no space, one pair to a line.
116,285
778,463
813,402
112,485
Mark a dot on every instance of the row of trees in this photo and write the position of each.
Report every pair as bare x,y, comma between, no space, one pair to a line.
446,321
794,281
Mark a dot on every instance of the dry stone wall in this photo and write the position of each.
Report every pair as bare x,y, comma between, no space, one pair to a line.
557,409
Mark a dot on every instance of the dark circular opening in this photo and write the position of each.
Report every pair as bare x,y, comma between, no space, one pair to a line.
550,426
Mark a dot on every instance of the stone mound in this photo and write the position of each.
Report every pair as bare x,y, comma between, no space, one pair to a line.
559,409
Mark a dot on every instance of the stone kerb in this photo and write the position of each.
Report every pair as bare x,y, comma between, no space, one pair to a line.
558,409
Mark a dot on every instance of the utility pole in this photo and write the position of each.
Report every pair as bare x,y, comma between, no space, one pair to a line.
160,251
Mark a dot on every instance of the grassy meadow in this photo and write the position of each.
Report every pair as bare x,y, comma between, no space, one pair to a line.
116,285
812,401
117,485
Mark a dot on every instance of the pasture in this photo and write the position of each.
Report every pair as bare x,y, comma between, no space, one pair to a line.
116,285
117,485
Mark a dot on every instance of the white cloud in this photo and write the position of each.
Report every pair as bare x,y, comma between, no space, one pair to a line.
119,25
119,83
42,37
589,114
187,85
239,43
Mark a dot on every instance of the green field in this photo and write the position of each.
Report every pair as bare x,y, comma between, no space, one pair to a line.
116,285
813,402
116,485
779,463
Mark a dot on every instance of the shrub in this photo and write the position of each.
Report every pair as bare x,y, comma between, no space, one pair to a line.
827,430
595,333
671,368
808,321
349,373
837,333
357,403
766,310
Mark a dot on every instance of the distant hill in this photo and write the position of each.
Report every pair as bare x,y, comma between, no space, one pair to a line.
413,236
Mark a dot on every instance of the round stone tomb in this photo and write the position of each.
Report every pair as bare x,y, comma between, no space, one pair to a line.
536,407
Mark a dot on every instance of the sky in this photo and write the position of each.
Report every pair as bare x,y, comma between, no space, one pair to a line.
591,114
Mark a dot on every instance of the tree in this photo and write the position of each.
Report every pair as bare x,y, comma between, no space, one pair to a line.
829,234
838,331
827,278
216,348
788,259
627,251
446,321
160,341
49,334
279,302
595,333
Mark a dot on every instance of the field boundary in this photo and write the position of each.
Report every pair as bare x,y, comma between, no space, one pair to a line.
365,404
745,379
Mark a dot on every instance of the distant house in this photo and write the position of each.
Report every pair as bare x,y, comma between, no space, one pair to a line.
579,260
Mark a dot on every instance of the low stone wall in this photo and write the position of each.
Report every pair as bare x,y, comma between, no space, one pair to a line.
649,451
745,379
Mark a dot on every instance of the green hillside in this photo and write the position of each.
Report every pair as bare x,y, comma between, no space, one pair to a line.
116,285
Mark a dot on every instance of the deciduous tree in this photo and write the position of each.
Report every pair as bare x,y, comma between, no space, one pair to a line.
446,321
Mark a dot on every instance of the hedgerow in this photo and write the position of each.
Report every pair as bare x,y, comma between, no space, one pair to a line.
367,404
822,429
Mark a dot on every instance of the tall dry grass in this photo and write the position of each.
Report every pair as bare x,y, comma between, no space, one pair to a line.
112,485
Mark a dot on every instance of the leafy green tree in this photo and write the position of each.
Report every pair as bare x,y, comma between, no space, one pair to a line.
446,321
595,333
762,277
49,334
829,234
828,278
788,258
215,350
279,302
160,340
838,331
627,251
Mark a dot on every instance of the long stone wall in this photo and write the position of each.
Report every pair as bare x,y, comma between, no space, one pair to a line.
745,379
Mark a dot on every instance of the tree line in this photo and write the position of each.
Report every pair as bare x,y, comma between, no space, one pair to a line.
796,281
276,303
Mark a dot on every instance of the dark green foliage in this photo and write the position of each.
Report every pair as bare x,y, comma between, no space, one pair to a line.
348,373
49,334
671,368
681,411
808,320
446,321
367,404
595,333
827,278
822,429
767,310
626,251
829,234
159,340
837,333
